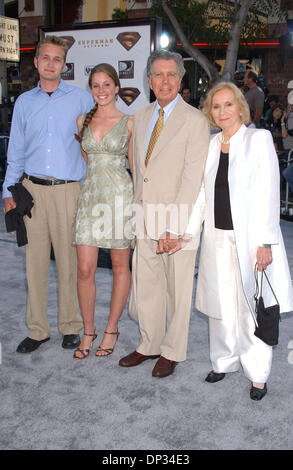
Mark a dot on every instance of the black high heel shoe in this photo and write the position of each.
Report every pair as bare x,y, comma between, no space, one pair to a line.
258,393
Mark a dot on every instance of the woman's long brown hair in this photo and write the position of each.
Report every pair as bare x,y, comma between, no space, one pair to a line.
111,72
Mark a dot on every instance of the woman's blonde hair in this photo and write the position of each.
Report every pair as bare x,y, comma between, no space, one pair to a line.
244,108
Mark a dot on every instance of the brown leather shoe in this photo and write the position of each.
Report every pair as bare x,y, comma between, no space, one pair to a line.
164,367
134,359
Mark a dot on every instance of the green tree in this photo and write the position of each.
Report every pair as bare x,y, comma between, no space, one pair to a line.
192,16
235,18
119,14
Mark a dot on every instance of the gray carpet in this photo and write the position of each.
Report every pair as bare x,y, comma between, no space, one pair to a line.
50,401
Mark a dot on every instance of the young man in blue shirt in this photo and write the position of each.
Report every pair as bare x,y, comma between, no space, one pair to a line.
42,149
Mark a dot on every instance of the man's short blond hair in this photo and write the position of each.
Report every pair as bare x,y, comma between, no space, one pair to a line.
244,108
55,41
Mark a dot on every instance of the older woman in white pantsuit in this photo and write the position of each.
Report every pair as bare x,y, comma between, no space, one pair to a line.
239,203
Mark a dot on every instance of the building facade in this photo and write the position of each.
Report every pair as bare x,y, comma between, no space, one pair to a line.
271,54
35,13
101,10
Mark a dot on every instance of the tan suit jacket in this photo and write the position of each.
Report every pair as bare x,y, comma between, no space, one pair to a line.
175,169
162,284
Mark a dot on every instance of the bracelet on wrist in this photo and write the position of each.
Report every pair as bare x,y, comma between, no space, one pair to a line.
267,245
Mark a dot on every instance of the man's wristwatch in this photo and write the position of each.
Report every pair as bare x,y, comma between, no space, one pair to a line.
267,245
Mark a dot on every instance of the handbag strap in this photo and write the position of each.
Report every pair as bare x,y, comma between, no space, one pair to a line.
257,292
256,284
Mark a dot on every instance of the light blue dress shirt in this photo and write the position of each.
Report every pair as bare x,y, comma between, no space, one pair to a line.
42,142
167,111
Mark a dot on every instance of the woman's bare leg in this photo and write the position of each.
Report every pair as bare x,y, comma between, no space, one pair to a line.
120,291
87,257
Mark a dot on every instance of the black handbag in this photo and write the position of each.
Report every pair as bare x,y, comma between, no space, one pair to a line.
268,318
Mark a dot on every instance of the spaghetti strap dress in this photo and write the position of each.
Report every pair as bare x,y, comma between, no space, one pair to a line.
103,217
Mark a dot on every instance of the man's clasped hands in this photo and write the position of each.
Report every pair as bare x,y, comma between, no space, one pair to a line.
170,243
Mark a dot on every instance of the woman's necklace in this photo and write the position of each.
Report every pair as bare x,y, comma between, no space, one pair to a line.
225,142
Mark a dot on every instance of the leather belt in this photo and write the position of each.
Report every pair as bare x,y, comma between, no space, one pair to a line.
45,182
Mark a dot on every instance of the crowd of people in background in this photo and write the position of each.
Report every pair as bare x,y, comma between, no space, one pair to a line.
267,111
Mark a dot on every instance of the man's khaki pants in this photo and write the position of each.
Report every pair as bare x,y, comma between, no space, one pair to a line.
163,299
52,222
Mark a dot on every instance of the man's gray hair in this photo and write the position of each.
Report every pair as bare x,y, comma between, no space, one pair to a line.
165,55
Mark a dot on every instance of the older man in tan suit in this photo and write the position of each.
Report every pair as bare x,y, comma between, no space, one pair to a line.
170,148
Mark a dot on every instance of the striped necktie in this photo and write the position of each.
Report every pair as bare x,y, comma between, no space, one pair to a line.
155,135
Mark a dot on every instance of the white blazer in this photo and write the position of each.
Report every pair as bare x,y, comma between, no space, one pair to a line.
254,183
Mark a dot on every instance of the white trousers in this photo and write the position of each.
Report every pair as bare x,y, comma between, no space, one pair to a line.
232,339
